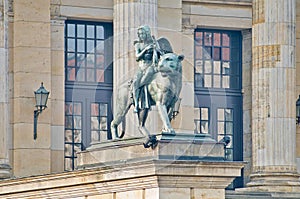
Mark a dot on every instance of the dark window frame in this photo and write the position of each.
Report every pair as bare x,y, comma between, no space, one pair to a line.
87,92
220,97
235,59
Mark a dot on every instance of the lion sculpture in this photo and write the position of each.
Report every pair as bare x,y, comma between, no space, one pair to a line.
163,91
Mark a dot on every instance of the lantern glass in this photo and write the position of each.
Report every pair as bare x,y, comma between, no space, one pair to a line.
41,97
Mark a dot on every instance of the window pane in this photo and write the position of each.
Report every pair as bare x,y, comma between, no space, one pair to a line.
226,82
230,145
90,46
103,123
217,67
199,66
94,109
228,114
198,53
71,45
221,115
71,59
80,31
77,148
77,122
68,122
90,61
100,47
226,68
207,53
94,123
204,114
208,67
198,38
77,108
207,80
77,136
68,108
225,40
100,32
71,30
103,109
217,39
68,136
217,54
217,81
80,60
204,126
80,45
229,128
103,135
221,129
71,74
90,31
225,53
68,150
229,154
208,39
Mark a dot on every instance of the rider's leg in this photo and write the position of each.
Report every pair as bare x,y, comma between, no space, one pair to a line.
136,90
147,77
136,95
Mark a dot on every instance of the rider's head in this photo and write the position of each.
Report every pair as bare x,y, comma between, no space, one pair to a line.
144,33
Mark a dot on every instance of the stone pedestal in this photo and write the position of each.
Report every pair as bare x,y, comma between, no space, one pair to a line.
169,147
179,167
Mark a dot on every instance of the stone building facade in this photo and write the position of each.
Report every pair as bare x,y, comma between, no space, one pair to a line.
240,79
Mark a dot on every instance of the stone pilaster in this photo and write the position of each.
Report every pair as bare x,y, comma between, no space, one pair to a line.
57,94
128,16
5,168
31,65
247,101
273,96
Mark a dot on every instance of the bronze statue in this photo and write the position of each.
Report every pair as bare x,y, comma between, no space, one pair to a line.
147,54
158,81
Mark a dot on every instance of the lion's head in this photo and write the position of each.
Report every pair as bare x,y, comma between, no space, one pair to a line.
170,64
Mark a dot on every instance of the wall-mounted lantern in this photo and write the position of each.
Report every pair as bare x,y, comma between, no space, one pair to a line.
41,97
298,111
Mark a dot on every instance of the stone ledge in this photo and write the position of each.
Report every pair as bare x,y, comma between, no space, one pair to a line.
260,195
229,2
124,177
169,147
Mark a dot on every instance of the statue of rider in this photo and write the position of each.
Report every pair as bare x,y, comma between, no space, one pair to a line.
147,54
